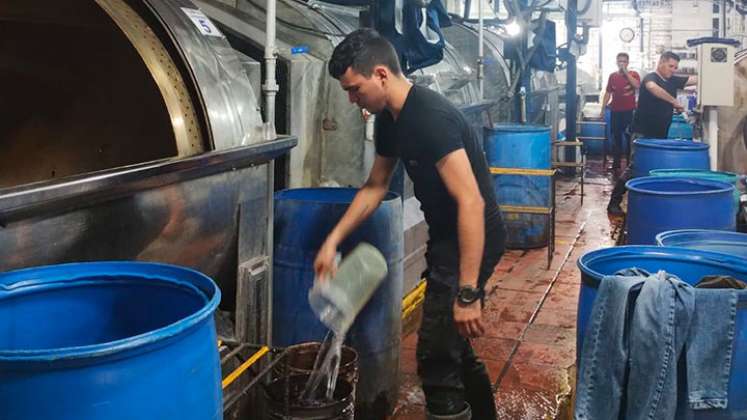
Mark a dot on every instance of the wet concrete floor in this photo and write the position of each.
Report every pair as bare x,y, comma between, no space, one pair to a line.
530,313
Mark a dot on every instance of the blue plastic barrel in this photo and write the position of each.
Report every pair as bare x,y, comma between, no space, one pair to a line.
657,204
511,146
731,243
303,219
690,266
680,128
109,340
593,132
653,154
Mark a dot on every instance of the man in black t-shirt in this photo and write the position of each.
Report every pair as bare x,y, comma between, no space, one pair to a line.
656,100
440,152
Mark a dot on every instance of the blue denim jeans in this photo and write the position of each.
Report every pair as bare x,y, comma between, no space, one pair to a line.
630,365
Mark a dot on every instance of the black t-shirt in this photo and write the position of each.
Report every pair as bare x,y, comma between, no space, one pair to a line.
429,127
653,116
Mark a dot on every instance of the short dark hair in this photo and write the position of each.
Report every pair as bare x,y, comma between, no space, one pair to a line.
668,55
623,54
363,49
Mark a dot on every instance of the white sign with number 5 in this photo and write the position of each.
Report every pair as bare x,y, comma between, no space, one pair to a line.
202,22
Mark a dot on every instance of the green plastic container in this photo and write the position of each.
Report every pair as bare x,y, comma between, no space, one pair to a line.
728,177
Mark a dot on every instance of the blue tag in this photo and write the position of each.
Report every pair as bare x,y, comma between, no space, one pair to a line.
300,49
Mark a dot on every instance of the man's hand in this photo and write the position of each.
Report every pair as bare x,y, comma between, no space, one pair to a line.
678,107
468,319
325,264
601,113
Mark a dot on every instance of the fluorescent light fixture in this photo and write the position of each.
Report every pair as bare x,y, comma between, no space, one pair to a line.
513,28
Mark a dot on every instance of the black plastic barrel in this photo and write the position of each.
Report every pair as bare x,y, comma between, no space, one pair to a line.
303,219
301,358
109,340
690,266
282,405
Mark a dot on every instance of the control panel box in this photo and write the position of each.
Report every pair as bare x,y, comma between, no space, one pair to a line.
715,74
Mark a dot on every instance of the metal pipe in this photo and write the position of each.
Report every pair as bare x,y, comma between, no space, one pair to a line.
712,135
570,79
270,86
269,239
722,20
481,51
467,8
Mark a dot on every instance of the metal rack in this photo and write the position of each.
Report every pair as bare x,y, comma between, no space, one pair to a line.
603,139
580,166
549,212
229,349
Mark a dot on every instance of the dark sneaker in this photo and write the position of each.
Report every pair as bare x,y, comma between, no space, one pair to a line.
615,210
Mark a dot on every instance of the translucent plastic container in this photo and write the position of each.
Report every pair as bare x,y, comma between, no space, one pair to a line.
338,300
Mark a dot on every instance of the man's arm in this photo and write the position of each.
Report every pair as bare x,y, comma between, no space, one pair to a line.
366,200
662,94
605,101
632,80
456,172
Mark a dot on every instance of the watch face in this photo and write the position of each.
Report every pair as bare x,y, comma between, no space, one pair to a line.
468,294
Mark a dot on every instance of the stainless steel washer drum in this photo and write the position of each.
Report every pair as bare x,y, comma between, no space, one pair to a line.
93,85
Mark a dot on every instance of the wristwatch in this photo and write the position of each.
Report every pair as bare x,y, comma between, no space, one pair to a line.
468,294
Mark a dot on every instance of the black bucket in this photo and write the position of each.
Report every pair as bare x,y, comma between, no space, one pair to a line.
301,358
341,408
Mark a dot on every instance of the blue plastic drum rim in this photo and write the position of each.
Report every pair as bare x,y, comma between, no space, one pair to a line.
707,186
671,144
701,236
40,279
519,128
715,259
325,195
679,173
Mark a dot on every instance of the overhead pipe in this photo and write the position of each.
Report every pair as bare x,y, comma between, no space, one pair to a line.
570,79
270,87
722,20
481,51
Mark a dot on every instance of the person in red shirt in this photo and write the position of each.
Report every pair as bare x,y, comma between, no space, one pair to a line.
621,87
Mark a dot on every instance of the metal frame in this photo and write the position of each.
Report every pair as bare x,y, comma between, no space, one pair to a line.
604,139
547,211
56,196
579,145
231,348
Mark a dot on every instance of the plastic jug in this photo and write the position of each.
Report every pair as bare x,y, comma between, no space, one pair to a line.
338,300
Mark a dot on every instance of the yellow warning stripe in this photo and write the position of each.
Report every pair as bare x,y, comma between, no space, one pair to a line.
522,171
526,209
413,299
244,366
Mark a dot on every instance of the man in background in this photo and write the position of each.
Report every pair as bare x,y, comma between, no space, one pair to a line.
657,100
622,86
